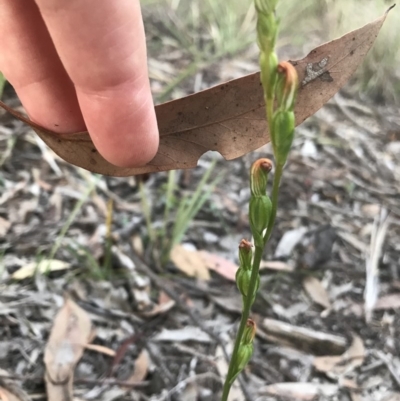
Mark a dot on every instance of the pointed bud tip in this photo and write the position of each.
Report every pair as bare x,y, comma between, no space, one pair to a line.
287,85
263,166
250,331
245,245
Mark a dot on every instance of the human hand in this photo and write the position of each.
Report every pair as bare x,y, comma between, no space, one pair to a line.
82,65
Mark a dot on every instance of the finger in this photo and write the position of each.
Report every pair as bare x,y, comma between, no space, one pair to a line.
102,46
30,62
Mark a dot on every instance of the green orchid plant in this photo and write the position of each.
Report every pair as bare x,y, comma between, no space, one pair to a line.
280,84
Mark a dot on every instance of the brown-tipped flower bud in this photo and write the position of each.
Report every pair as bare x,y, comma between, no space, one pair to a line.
259,176
246,348
283,127
286,86
245,254
249,331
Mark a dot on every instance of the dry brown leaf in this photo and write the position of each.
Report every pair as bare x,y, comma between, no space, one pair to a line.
190,262
165,303
71,330
141,368
220,265
345,363
228,118
317,292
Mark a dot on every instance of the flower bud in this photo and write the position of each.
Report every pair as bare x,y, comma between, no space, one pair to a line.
259,214
245,254
243,281
246,348
267,29
243,357
249,332
286,86
259,176
283,127
265,6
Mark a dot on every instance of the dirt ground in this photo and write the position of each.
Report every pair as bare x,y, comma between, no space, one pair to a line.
328,313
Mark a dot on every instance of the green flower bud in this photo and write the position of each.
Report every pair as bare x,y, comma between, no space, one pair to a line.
243,357
283,127
265,6
245,254
259,214
243,280
286,86
259,176
267,29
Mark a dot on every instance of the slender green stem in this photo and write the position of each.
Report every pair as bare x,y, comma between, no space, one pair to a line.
274,200
245,315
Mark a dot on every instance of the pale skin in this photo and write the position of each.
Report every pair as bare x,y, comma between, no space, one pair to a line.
80,65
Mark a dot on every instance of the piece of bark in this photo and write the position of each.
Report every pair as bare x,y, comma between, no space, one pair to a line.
317,342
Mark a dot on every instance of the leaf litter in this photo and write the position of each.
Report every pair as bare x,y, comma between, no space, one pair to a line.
333,190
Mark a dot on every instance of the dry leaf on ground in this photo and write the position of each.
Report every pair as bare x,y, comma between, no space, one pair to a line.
44,266
276,265
101,349
71,331
220,265
289,241
9,389
164,305
190,262
187,333
141,368
390,301
228,118
317,292
6,395
300,391
345,363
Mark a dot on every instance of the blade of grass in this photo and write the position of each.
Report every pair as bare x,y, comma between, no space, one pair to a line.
72,217
194,204
2,84
147,213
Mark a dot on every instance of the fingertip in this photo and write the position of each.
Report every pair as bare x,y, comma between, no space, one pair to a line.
123,127
135,148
